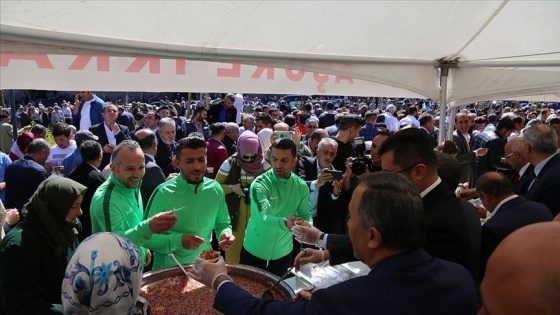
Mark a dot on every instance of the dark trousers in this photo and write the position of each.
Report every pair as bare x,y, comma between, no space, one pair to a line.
277,267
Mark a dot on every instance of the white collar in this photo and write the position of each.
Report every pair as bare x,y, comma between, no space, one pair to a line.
523,169
432,186
502,203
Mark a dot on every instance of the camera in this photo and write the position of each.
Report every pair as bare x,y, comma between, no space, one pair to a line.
247,194
360,162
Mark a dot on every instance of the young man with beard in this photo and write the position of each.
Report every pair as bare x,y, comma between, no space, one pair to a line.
199,203
278,198
198,123
116,205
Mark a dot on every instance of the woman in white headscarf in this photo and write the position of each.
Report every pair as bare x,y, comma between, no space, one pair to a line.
103,276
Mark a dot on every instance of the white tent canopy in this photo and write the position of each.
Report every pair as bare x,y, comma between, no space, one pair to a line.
496,49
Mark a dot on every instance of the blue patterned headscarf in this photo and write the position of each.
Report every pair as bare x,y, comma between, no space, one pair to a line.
103,276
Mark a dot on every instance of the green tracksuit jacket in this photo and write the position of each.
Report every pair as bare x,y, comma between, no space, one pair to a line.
202,209
272,200
118,209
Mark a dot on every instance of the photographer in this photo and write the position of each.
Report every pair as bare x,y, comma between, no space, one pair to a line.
350,127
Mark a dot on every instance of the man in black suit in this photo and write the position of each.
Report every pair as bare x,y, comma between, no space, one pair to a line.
87,174
509,212
154,175
447,237
466,155
126,118
110,133
427,126
541,152
324,192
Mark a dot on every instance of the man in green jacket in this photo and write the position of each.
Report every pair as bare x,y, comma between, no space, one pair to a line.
197,201
278,198
116,206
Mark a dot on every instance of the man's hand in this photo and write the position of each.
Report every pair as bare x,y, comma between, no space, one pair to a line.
304,295
171,176
296,137
108,148
191,241
468,194
237,190
2,185
12,217
226,240
290,222
306,234
481,151
207,273
162,222
309,255
323,178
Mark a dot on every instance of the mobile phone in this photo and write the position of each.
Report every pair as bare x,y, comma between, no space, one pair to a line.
335,174
284,135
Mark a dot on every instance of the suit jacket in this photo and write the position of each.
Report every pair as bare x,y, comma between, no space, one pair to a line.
89,176
522,185
153,177
214,113
22,179
330,213
447,233
511,216
546,187
230,145
99,131
189,128
466,158
397,285
473,224
127,119
164,157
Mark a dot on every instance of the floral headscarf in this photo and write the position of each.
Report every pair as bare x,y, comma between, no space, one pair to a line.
103,276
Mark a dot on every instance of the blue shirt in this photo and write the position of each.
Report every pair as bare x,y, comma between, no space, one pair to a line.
368,132
222,117
71,161
4,162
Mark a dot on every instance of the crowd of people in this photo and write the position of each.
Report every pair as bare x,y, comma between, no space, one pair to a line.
145,186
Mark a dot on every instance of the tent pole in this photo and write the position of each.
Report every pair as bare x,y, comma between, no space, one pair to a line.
444,72
452,113
13,116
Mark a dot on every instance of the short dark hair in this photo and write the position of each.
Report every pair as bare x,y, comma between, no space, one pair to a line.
412,109
190,142
425,118
410,146
147,142
308,107
61,129
393,205
156,114
217,128
199,109
36,146
265,118
316,135
330,106
38,129
90,150
495,186
302,117
492,118
349,121
380,118
505,122
290,120
285,144
449,170
370,115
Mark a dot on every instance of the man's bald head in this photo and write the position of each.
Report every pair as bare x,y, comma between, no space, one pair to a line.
146,138
523,273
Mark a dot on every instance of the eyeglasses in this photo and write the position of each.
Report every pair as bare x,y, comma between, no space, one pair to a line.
249,158
509,155
407,168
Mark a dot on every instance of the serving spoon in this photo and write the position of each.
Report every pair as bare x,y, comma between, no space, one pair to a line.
179,264
267,294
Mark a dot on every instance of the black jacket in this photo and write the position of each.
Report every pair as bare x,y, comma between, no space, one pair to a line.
214,113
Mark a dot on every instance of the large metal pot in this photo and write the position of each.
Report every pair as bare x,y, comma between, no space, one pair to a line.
252,273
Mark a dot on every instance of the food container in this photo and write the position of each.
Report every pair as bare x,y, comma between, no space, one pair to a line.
265,278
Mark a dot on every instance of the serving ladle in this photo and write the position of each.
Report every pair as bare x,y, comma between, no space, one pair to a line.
267,294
